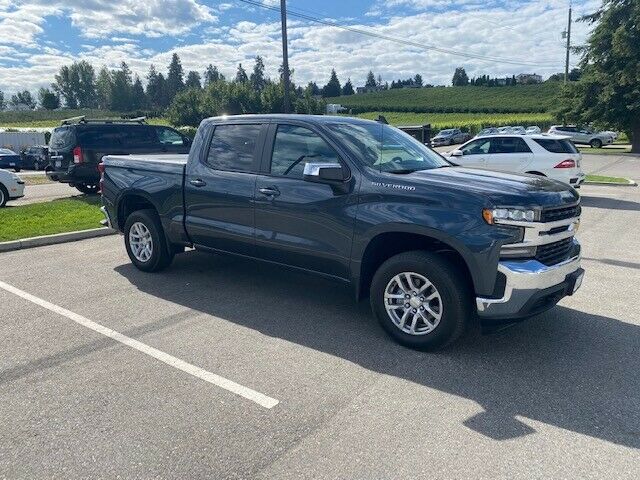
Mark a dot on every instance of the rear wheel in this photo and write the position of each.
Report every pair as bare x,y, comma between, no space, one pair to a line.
421,299
145,241
87,188
4,196
596,143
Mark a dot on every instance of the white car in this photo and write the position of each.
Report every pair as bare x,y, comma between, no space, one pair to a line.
533,130
11,187
552,156
584,136
518,130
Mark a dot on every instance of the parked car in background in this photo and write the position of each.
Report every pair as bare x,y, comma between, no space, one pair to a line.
485,132
504,130
36,158
613,134
78,145
532,130
10,160
582,135
450,136
11,187
550,156
518,130
431,244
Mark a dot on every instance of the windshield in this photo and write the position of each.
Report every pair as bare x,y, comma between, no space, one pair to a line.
6,151
445,132
386,148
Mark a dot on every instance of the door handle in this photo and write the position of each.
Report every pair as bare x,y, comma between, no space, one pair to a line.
197,182
269,191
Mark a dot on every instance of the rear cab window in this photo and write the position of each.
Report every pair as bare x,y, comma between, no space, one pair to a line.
556,146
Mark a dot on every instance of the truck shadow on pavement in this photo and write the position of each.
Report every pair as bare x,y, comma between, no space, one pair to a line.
607,203
566,368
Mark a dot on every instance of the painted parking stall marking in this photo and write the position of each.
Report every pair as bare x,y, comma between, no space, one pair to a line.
224,383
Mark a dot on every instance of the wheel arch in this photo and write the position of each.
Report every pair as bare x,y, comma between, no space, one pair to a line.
385,244
130,201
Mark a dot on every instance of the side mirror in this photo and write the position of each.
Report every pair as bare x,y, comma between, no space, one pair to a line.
456,153
323,173
186,141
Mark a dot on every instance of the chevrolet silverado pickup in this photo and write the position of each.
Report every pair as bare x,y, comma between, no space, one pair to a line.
434,246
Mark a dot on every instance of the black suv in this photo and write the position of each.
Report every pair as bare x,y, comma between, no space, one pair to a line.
36,158
78,145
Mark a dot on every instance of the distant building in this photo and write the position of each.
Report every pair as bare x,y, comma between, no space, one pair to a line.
377,88
333,108
529,78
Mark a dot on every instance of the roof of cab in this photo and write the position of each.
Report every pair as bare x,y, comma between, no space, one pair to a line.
278,117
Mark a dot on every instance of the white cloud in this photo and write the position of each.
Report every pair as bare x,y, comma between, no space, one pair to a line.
528,32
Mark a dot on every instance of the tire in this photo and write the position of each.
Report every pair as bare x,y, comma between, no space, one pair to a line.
161,256
87,188
17,169
596,143
4,196
447,280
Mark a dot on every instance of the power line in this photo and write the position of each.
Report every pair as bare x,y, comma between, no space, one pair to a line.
380,36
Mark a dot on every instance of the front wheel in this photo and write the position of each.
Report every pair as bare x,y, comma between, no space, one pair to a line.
87,188
596,143
421,299
145,241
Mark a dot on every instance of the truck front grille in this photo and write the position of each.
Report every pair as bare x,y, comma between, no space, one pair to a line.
561,213
556,252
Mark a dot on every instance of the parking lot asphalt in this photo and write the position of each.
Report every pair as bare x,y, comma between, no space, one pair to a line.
45,193
555,397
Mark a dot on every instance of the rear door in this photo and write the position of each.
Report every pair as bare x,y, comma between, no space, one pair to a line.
219,188
300,223
509,154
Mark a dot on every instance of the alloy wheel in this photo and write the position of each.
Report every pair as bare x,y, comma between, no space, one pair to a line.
413,303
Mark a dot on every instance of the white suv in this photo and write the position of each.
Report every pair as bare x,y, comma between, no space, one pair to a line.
551,156
582,135
11,187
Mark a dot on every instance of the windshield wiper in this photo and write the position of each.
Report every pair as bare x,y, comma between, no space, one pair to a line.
404,171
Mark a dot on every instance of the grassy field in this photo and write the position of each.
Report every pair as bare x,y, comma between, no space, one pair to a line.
52,118
468,121
47,218
613,150
517,99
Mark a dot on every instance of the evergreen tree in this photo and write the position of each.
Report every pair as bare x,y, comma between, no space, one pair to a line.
175,78
332,88
138,97
155,88
3,104
66,86
371,80
417,80
313,88
103,89
193,80
121,88
460,77
347,89
257,78
211,75
241,75
23,99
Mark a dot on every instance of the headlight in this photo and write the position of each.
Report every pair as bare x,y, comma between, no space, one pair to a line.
499,214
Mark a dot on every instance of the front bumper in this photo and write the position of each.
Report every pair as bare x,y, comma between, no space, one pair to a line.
531,287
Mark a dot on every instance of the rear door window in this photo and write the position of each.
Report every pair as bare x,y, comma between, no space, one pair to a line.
509,145
99,136
138,136
233,147
556,146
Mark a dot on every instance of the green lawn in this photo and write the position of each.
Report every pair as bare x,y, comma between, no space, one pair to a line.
612,150
602,178
57,216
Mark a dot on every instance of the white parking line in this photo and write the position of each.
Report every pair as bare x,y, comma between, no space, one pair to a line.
217,380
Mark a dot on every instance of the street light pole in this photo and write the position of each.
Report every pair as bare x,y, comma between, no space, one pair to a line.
285,56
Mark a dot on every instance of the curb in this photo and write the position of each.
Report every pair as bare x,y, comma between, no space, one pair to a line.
630,183
55,239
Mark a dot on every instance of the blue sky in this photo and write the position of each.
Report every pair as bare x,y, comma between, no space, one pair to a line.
485,36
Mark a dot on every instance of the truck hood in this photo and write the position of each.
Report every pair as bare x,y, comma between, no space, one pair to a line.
502,189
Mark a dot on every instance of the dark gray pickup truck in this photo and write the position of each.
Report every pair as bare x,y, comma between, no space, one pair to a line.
433,245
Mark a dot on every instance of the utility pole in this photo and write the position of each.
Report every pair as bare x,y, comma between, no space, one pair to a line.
285,56
566,63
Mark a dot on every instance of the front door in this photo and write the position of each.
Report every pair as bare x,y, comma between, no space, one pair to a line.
300,223
474,153
509,154
219,189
